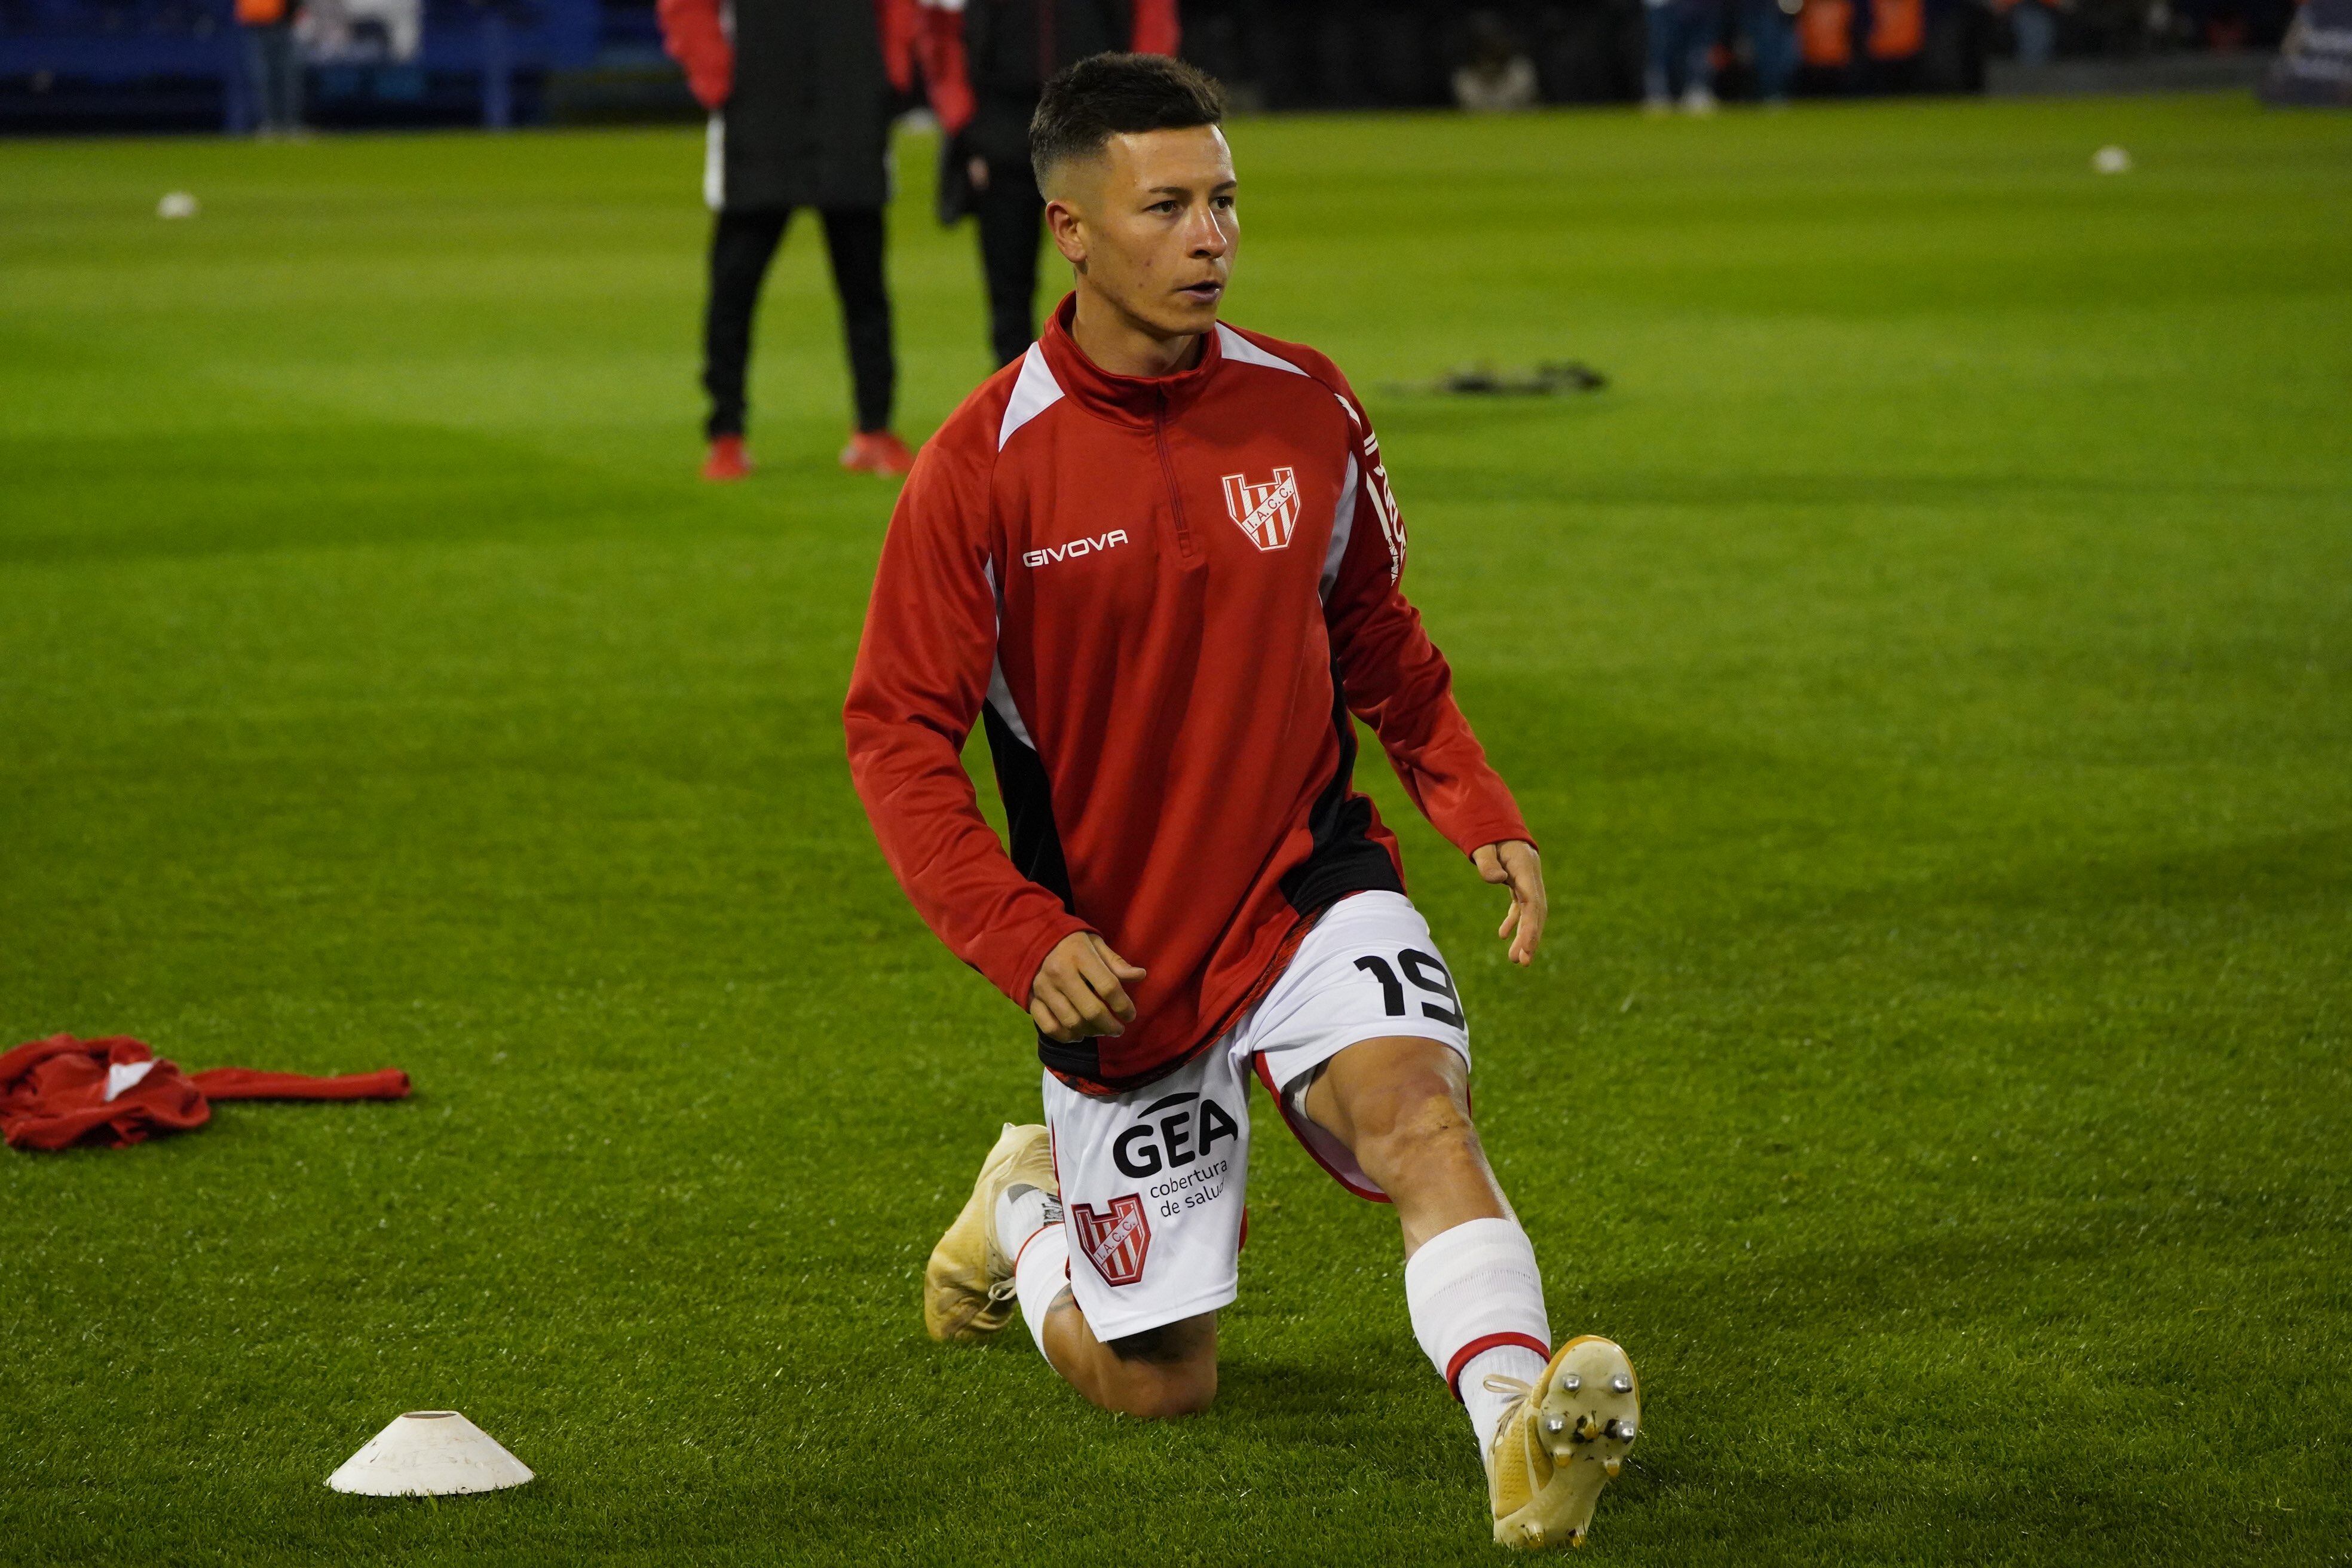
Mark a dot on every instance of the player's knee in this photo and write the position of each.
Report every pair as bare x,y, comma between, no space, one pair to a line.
1164,1373
1423,1123
1152,1393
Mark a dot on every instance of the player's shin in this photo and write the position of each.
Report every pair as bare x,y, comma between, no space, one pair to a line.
1553,1429
1477,1308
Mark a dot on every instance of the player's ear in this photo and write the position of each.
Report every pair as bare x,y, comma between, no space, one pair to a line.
1067,226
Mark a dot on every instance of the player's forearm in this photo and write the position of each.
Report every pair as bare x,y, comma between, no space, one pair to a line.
1400,684
1445,771
926,817
1470,805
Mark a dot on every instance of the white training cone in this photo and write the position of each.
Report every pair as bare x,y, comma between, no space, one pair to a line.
429,1453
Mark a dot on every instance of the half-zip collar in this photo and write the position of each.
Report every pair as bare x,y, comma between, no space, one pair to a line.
1142,402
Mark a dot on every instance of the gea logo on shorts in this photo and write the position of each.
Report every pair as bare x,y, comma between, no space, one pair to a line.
1174,1140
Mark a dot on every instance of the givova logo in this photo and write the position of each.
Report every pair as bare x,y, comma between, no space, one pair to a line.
1187,1131
1076,547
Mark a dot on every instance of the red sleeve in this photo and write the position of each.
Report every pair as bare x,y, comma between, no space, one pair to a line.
251,1083
695,39
897,24
923,668
1157,30
947,78
1395,678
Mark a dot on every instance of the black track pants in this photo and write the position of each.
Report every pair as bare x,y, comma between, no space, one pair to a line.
741,246
1011,215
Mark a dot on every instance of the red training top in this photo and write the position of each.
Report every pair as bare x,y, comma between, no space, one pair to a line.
1163,595
57,1092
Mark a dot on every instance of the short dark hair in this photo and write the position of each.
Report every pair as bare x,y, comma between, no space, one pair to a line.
1103,96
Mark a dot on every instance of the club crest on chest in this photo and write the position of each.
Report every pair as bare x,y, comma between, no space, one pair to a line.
1267,511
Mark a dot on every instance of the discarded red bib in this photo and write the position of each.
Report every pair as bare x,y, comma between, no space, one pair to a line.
61,1091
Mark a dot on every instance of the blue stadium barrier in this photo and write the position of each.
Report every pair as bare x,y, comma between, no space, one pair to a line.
113,55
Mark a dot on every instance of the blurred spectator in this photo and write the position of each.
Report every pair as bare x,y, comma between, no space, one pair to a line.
1825,36
2035,26
799,102
1897,32
1864,46
1497,78
273,70
985,61
1681,36
2225,24
1771,29
363,30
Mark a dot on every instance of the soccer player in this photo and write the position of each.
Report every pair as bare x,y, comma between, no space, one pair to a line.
1158,558
800,99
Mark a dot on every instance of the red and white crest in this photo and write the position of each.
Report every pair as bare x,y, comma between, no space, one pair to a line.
1267,512
1115,1243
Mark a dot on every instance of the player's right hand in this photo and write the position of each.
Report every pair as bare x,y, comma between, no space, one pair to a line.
1081,990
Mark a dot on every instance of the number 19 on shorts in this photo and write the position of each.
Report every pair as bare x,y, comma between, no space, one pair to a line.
1426,973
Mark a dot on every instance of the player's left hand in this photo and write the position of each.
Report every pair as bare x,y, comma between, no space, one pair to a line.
1515,861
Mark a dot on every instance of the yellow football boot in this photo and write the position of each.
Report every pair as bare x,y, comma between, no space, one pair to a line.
1561,1442
968,1284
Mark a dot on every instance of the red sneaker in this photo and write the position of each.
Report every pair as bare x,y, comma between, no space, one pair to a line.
877,452
728,460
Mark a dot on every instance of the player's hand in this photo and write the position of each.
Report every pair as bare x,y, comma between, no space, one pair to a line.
976,170
1081,990
1516,862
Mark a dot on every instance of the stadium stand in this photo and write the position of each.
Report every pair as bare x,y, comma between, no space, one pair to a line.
75,64
176,63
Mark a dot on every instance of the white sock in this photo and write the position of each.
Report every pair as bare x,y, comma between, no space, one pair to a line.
1021,1212
1484,1405
1477,1300
1040,1272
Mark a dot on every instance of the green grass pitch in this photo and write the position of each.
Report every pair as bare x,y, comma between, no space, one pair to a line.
1929,667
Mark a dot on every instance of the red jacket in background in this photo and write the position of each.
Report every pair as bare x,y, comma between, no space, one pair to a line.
1164,597
943,47
928,33
694,34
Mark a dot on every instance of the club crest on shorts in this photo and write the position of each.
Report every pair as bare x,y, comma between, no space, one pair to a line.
1267,512
1116,1242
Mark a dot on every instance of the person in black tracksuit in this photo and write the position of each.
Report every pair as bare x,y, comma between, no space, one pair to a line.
1010,48
800,109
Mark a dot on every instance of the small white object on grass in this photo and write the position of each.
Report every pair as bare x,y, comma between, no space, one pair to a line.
176,203
2111,161
429,1453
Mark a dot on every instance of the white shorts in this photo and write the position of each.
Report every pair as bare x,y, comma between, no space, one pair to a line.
1153,1181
